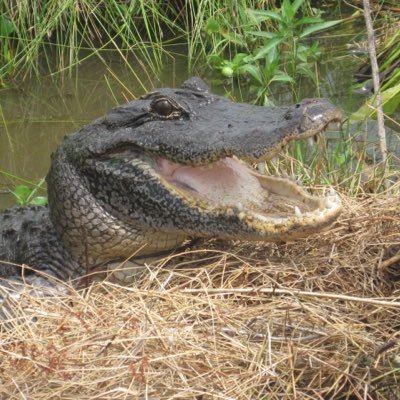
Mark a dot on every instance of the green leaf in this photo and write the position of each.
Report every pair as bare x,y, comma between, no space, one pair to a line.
21,194
267,102
123,8
395,78
238,59
39,201
390,102
263,51
297,4
318,27
253,71
389,59
305,70
263,34
340,159
288,11
308,20
212,26
7,27
392,105
264,15
273,58
302,53
249,59
281,77
234,37
215,59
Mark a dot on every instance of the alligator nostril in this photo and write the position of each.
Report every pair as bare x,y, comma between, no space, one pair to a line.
230,126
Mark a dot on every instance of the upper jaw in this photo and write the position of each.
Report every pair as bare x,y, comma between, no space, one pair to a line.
222,129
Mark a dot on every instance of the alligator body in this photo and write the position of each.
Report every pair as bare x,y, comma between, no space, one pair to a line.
161,169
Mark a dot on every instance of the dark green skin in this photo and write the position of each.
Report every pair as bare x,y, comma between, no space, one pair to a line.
104,200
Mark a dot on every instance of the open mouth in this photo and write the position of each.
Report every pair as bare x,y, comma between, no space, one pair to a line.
230,184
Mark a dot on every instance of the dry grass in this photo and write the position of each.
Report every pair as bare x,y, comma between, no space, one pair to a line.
315,319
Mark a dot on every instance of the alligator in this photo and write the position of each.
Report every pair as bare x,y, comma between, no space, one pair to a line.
171,165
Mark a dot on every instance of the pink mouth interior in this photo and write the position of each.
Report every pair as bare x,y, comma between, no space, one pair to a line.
226,181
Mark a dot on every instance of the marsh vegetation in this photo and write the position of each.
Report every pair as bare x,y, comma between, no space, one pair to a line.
203,324
262,51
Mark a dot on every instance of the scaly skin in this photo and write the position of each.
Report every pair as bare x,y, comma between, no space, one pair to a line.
163,168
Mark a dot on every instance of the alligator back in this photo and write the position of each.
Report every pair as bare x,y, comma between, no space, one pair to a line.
27,237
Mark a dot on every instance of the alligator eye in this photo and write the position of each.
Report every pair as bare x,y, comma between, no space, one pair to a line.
162,107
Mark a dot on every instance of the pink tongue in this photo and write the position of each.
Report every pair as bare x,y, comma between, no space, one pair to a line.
227,180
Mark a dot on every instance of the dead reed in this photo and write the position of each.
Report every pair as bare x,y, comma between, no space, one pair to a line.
314,319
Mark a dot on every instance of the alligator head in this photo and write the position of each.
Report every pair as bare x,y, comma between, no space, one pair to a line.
172,165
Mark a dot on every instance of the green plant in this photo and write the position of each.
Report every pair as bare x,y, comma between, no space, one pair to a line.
275,47
290,29
263,74
345,161
60,34
7,29
25,196
218,27
389,67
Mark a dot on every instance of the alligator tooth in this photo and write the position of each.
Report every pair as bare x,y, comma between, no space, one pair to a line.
329,203
314,213
240,206
311,141
332,197
297,212
261,167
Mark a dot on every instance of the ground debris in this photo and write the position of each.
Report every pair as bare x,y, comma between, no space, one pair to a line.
227,321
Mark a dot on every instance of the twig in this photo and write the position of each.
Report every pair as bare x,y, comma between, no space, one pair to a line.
377,89
299,293
390,261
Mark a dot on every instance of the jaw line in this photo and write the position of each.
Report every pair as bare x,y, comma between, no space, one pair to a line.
322,210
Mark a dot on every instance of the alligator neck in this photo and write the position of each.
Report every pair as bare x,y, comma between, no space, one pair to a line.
91,232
